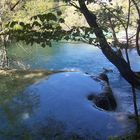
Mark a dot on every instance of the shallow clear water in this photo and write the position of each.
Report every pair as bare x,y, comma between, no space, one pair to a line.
62,56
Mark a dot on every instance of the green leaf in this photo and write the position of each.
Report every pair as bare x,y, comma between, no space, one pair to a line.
59,13
36,23
43,45
66,38
61,20
90,40
21,23
51,16
12,24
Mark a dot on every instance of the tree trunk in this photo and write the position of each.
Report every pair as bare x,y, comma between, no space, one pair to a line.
4,59
136,108
118,61
138,27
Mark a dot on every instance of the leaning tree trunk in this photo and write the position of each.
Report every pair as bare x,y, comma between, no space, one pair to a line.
118,61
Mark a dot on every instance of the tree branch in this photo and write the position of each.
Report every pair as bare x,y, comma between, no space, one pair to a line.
74,5
115,16
138,27
15,5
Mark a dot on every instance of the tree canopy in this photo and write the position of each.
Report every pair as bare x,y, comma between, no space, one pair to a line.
103,17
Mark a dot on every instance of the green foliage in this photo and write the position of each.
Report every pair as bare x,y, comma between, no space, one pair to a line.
45,28
111,17
42,28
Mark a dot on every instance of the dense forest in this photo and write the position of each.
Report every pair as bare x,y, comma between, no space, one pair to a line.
40,28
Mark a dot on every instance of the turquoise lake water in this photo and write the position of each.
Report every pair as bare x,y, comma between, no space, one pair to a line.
82,57
62,56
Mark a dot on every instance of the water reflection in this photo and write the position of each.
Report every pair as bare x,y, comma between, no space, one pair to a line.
13,113
19,121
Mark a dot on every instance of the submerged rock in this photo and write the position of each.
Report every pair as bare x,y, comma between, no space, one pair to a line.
104,77
105,99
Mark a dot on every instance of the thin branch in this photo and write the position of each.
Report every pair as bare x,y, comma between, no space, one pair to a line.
74,5
134,4
137,7
67,26
114,15
137,38
126,31
15,5
132,36
54,8
3,32
87,41
138,27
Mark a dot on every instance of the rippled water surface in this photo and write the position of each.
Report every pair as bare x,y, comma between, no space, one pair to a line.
80,57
